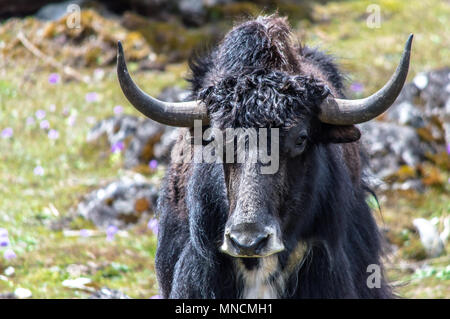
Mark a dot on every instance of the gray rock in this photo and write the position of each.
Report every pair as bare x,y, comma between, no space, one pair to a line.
120,203
106,293
390,145
116,128
174,94
8,295
143,139
148,133
435,94
55,11
405,113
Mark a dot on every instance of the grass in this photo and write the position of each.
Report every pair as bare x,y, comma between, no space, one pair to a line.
71,167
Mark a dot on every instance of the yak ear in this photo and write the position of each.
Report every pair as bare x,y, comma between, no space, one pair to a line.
339,133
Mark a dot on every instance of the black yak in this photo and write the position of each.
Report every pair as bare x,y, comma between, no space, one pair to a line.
304,231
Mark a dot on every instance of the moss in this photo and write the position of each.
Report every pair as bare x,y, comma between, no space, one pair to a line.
169,39
413,249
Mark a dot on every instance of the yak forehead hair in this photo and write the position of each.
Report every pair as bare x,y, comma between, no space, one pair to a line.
252,78
262,98
265,42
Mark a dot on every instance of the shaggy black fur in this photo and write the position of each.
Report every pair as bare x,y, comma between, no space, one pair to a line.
256,77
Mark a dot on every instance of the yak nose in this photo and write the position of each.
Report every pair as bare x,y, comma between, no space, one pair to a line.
251,240
248,244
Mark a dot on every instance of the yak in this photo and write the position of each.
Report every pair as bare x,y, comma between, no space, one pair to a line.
305,231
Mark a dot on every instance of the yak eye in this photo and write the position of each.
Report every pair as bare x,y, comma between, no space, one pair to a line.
301,140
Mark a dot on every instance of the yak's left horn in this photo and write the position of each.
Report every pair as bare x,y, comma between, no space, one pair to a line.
347,112
174,114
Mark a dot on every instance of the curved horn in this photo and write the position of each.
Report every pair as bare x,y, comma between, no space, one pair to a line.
347,112
174,114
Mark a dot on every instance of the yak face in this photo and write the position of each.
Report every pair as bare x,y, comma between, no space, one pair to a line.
257,223
258,87
273,113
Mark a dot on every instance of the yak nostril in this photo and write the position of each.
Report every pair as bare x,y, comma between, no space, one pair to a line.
248,244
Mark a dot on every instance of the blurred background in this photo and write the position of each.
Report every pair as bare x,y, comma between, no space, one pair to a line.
80,168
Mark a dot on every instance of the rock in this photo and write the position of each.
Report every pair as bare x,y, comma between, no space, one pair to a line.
429,237
420,81
390,146
55,11
7,295
436,93
193,11
9,271
174,94
21,7
77,283
76,270
22,293
405,113
417,132
90,42
140,149
120,203
106,293
116,128
141,139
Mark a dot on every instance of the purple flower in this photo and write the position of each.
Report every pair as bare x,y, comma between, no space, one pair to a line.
9,254
45,125
448,148
66,111
357,87
117,147
153,164
153,225
53,134
156,297
4,241
52,107
40,114
84,233
71,120
7,132
91,97
38,171
53,78
30,120
111,232
118,109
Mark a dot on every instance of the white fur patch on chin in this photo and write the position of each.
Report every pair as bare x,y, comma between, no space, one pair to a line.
256,281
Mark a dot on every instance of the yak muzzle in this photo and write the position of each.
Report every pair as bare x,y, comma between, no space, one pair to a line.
251,240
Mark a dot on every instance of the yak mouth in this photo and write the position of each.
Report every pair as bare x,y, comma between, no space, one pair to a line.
249,256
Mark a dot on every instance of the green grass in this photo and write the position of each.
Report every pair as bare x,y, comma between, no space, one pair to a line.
370,55
71,167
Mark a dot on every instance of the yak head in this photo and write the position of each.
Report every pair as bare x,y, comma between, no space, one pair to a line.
283,102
